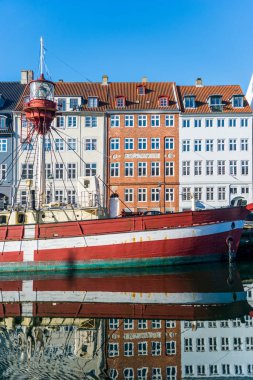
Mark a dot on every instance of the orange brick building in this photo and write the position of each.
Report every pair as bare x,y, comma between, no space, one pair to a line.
142,131
143,349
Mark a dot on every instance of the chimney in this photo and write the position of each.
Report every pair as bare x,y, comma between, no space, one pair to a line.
198,82
26,76
144,79
105,80
60,80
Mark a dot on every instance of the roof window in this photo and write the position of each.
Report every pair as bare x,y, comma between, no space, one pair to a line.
163,101
237,101
3,124
215,103
189,101
141,90
92,101
120,101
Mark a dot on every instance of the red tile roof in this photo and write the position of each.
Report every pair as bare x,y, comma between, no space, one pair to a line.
202,94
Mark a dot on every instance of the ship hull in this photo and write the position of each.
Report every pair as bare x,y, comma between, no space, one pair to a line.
123,242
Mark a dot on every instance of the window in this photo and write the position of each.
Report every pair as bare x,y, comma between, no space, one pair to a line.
156,348
186,145
155,120
129,143
197,123
142,143
244,167
169,121
221,167
244,122
225,369
128,324
171,373
221,193
244,144
60,121
115,121
141,90
92,102
129,121
71,121
170,324
142,348
142,169
156,324
59,145
156,374
27,146
237,101
169,143
62,104
71,171
186,167
201,370
120,102
47,145
209,145
197,167
3,122
244,190
114,169
186,193
113,323
198,193
233,167
129,195
129,169
171,347
155,169
209,123
209,193
155,143
224,324
189,101
115,144
90,169
113,374
163,101
212,343
142,121
237,343
142,324
197,146
220,123
200,344
209,167
238,369
186,123
155,194
73,103
169,194
232,144
250,369
142,195
59,195
128,374
3,171
249,343
220,145
142,373
71,197
3,145
91,121
213,369
128,349
232,122
90,144
59,171
188,369
27,171
48,171
113,350
169,168
71,144
215,100
23,197
188,347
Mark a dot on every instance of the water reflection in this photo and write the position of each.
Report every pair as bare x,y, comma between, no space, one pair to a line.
183,323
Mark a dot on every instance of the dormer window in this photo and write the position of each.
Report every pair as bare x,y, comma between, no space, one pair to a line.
62,104
237,101
215,103
3,122
120,101
92,101
189,101
73,104
141,90
163,101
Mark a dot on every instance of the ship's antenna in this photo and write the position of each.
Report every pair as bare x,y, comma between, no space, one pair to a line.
41,55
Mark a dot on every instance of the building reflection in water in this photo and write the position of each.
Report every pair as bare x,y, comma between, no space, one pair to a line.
183,323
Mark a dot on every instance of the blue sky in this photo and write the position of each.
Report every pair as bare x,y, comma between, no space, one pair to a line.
164,40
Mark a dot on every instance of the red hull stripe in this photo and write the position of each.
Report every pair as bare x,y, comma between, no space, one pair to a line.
6,257
184,247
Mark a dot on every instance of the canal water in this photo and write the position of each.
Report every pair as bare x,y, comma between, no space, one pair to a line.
182,323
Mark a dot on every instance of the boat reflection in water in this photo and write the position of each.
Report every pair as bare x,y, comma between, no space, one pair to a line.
164,324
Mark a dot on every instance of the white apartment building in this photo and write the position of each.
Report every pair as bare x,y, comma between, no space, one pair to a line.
74,149
215,146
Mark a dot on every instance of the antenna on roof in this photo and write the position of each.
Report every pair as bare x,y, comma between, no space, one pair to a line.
41,55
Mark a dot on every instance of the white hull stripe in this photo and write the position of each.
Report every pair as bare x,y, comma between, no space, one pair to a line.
29,246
